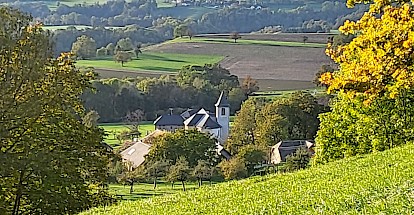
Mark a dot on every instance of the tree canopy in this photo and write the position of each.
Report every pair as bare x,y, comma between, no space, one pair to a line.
191,144
51,163
373,109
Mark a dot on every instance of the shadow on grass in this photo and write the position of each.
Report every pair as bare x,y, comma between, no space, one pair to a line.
160,58
158,68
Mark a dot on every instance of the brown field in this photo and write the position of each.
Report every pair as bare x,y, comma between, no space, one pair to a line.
275,67
285,37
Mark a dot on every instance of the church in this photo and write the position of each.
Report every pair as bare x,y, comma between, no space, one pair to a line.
217,124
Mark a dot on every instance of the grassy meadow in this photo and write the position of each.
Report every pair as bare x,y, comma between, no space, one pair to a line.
379,183
153,61
113,129
146,190
247,42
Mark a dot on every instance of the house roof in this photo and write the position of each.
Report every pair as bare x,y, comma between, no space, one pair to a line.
222,101
223,152
202,119
166,119
288,147
189,112
136,153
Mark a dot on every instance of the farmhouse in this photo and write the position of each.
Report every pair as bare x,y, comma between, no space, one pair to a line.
282,149
217,124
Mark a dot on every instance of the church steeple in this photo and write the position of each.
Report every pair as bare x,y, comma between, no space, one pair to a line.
222,101
223,117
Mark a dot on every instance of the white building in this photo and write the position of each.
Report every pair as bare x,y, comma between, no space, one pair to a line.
217,124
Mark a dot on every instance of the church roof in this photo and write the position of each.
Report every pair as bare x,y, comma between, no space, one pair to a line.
169,120
202,119
222,101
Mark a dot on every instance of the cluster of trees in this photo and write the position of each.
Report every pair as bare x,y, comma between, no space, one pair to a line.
152,25
64,38
264,124
51,162
374,85
192,87
85,48
175,157
260,124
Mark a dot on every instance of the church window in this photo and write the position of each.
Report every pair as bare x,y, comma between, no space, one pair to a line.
223,111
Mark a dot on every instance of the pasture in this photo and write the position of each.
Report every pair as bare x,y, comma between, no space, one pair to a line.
114,129
146,190
277,62
379,183
153,61
247,42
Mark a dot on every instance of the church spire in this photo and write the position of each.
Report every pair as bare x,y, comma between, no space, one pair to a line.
222,101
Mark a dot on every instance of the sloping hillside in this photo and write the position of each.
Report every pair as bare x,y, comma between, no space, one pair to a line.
381,183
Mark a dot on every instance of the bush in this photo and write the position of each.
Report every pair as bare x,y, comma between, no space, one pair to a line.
298,160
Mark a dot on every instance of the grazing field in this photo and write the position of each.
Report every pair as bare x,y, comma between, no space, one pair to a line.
276,61
114,129
380,183
146,190
153,61
320,38
248,42
263,62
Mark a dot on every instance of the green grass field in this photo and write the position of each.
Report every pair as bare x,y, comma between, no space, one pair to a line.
146,190
246,42
113,129
153,61
380,183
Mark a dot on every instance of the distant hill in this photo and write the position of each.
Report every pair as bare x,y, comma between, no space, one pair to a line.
380,183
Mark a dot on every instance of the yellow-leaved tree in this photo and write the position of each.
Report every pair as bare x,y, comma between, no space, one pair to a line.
374,84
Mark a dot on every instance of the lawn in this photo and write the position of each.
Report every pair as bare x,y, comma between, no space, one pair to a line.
247,42
146,190
153,61
379,183
113,129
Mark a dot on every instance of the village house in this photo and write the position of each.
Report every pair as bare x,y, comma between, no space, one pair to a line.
282,149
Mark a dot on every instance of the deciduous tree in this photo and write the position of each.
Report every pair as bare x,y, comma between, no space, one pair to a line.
180,171
84,47
51,163
122,57
235,36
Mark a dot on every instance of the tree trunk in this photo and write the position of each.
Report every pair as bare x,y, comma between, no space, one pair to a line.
155,183
131,189
172,185
182,182
200,182
122,63
16,207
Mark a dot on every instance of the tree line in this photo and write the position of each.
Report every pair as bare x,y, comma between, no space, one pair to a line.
192,87
150,24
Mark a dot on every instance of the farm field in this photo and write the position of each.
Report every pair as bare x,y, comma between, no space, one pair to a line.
146,190
153,61
270,65
379,183
320,38
287,64
113,129
248,42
